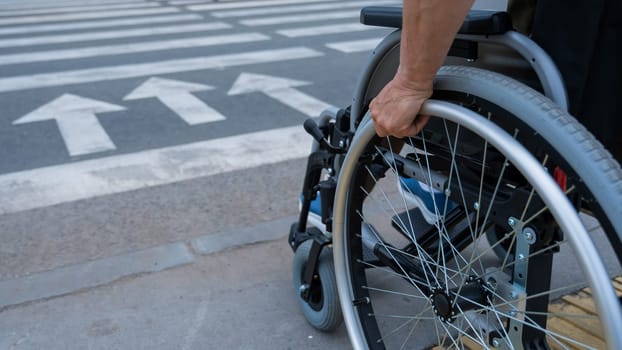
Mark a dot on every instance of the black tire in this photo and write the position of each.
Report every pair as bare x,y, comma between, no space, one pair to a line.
322,311
416,281
584,159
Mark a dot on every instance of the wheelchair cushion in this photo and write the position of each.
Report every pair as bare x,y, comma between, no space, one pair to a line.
479,22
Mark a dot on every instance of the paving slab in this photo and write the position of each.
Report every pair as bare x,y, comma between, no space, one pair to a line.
237,299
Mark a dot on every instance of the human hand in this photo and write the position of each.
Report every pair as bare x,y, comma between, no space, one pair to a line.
395,110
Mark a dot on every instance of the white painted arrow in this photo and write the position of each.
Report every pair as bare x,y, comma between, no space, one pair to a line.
78,125
177,96
281,89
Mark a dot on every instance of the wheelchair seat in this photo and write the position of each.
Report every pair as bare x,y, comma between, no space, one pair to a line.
477,22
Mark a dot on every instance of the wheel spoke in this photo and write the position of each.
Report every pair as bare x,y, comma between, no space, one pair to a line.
458,279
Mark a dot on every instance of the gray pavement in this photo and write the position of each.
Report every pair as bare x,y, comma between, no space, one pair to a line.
237,298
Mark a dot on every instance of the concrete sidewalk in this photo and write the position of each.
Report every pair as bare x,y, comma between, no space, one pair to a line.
238,295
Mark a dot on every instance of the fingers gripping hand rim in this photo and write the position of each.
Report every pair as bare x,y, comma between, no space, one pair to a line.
395,110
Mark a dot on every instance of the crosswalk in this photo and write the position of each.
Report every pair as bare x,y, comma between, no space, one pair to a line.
63,61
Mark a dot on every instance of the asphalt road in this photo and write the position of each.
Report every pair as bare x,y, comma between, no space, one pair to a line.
125,123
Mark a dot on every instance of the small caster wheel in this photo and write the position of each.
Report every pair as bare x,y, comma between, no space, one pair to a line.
322,310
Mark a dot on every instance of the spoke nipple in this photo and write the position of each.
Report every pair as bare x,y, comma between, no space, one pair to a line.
512,222
512,313
361,301
447,192
496,343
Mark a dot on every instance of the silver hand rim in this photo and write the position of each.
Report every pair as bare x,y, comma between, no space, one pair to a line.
557,202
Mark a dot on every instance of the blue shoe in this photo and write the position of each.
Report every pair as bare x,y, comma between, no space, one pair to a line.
315,212
430,201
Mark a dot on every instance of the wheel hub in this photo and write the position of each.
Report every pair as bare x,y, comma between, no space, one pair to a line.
447,304
442,304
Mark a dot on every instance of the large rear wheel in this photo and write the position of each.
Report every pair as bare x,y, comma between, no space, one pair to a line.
514,222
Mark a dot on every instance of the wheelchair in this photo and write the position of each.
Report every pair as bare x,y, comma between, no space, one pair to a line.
521,196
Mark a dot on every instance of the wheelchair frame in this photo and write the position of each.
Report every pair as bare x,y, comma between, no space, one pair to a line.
338,130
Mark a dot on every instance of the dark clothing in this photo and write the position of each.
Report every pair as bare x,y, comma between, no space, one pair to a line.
584,38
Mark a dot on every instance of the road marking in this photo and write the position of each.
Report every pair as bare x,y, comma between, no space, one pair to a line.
90,178
299,8
193,2
355,45
235,5
112,34
177,96
21,5
280,89
86,15
324,29
89,75
78,125
98,24
108,50
69,279
7,13
320,16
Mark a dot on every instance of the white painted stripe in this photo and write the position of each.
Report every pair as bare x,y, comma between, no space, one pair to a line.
70,182
309,17
192,2
80,76
191,109
112,34
21,5
299,8
300,101
324,29
355,45
177,96
108,50
77,9
85,15
99,24
187,2
235,5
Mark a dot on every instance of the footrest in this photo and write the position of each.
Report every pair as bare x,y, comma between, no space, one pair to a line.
412,224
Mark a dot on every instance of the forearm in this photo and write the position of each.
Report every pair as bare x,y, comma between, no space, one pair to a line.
428,29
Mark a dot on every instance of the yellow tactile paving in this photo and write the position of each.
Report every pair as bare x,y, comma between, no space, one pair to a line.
579,319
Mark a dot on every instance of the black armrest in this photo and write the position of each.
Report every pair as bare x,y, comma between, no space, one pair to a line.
478,22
